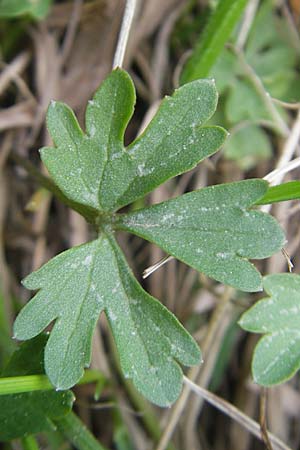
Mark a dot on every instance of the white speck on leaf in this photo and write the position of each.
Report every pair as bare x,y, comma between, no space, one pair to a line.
87,261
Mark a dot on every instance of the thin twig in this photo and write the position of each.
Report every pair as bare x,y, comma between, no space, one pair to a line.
288,260
246,123
162,49
151,269
71,31
276,175
286,105
193,374
290,145
284,165
247,23
218,326
124,32
10,71
265,96
233,412
263,418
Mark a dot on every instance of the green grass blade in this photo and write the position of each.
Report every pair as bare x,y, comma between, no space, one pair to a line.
213,39
281,193
30,383
77,433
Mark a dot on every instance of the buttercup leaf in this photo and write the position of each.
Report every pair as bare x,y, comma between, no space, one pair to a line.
213,230
78,163
96,170
74,287
277,354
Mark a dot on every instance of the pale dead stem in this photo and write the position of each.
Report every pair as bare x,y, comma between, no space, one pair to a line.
127,21
246,123
12,73
14,69
286,105
155,71
17,116
248,18
161,51
276,176
265,96
151,269
263,418
154,12
218,326
287,153
145,84
233,412
284,164
194,373
71,31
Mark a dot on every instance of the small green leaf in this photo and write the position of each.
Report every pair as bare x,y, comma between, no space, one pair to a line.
32,412
271,51
97,171
248,146
277,354
224,71
264,62
213,231
14,8
281,193
250,108
75,287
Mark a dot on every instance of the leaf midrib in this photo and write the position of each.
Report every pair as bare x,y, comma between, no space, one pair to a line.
89,280
144,344
76,144
108,147
137,158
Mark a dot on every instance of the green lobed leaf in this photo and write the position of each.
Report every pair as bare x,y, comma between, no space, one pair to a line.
98,175
281,193
250,108
32,412
75,287
213,230
247,146
277,355
95,169
224,71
